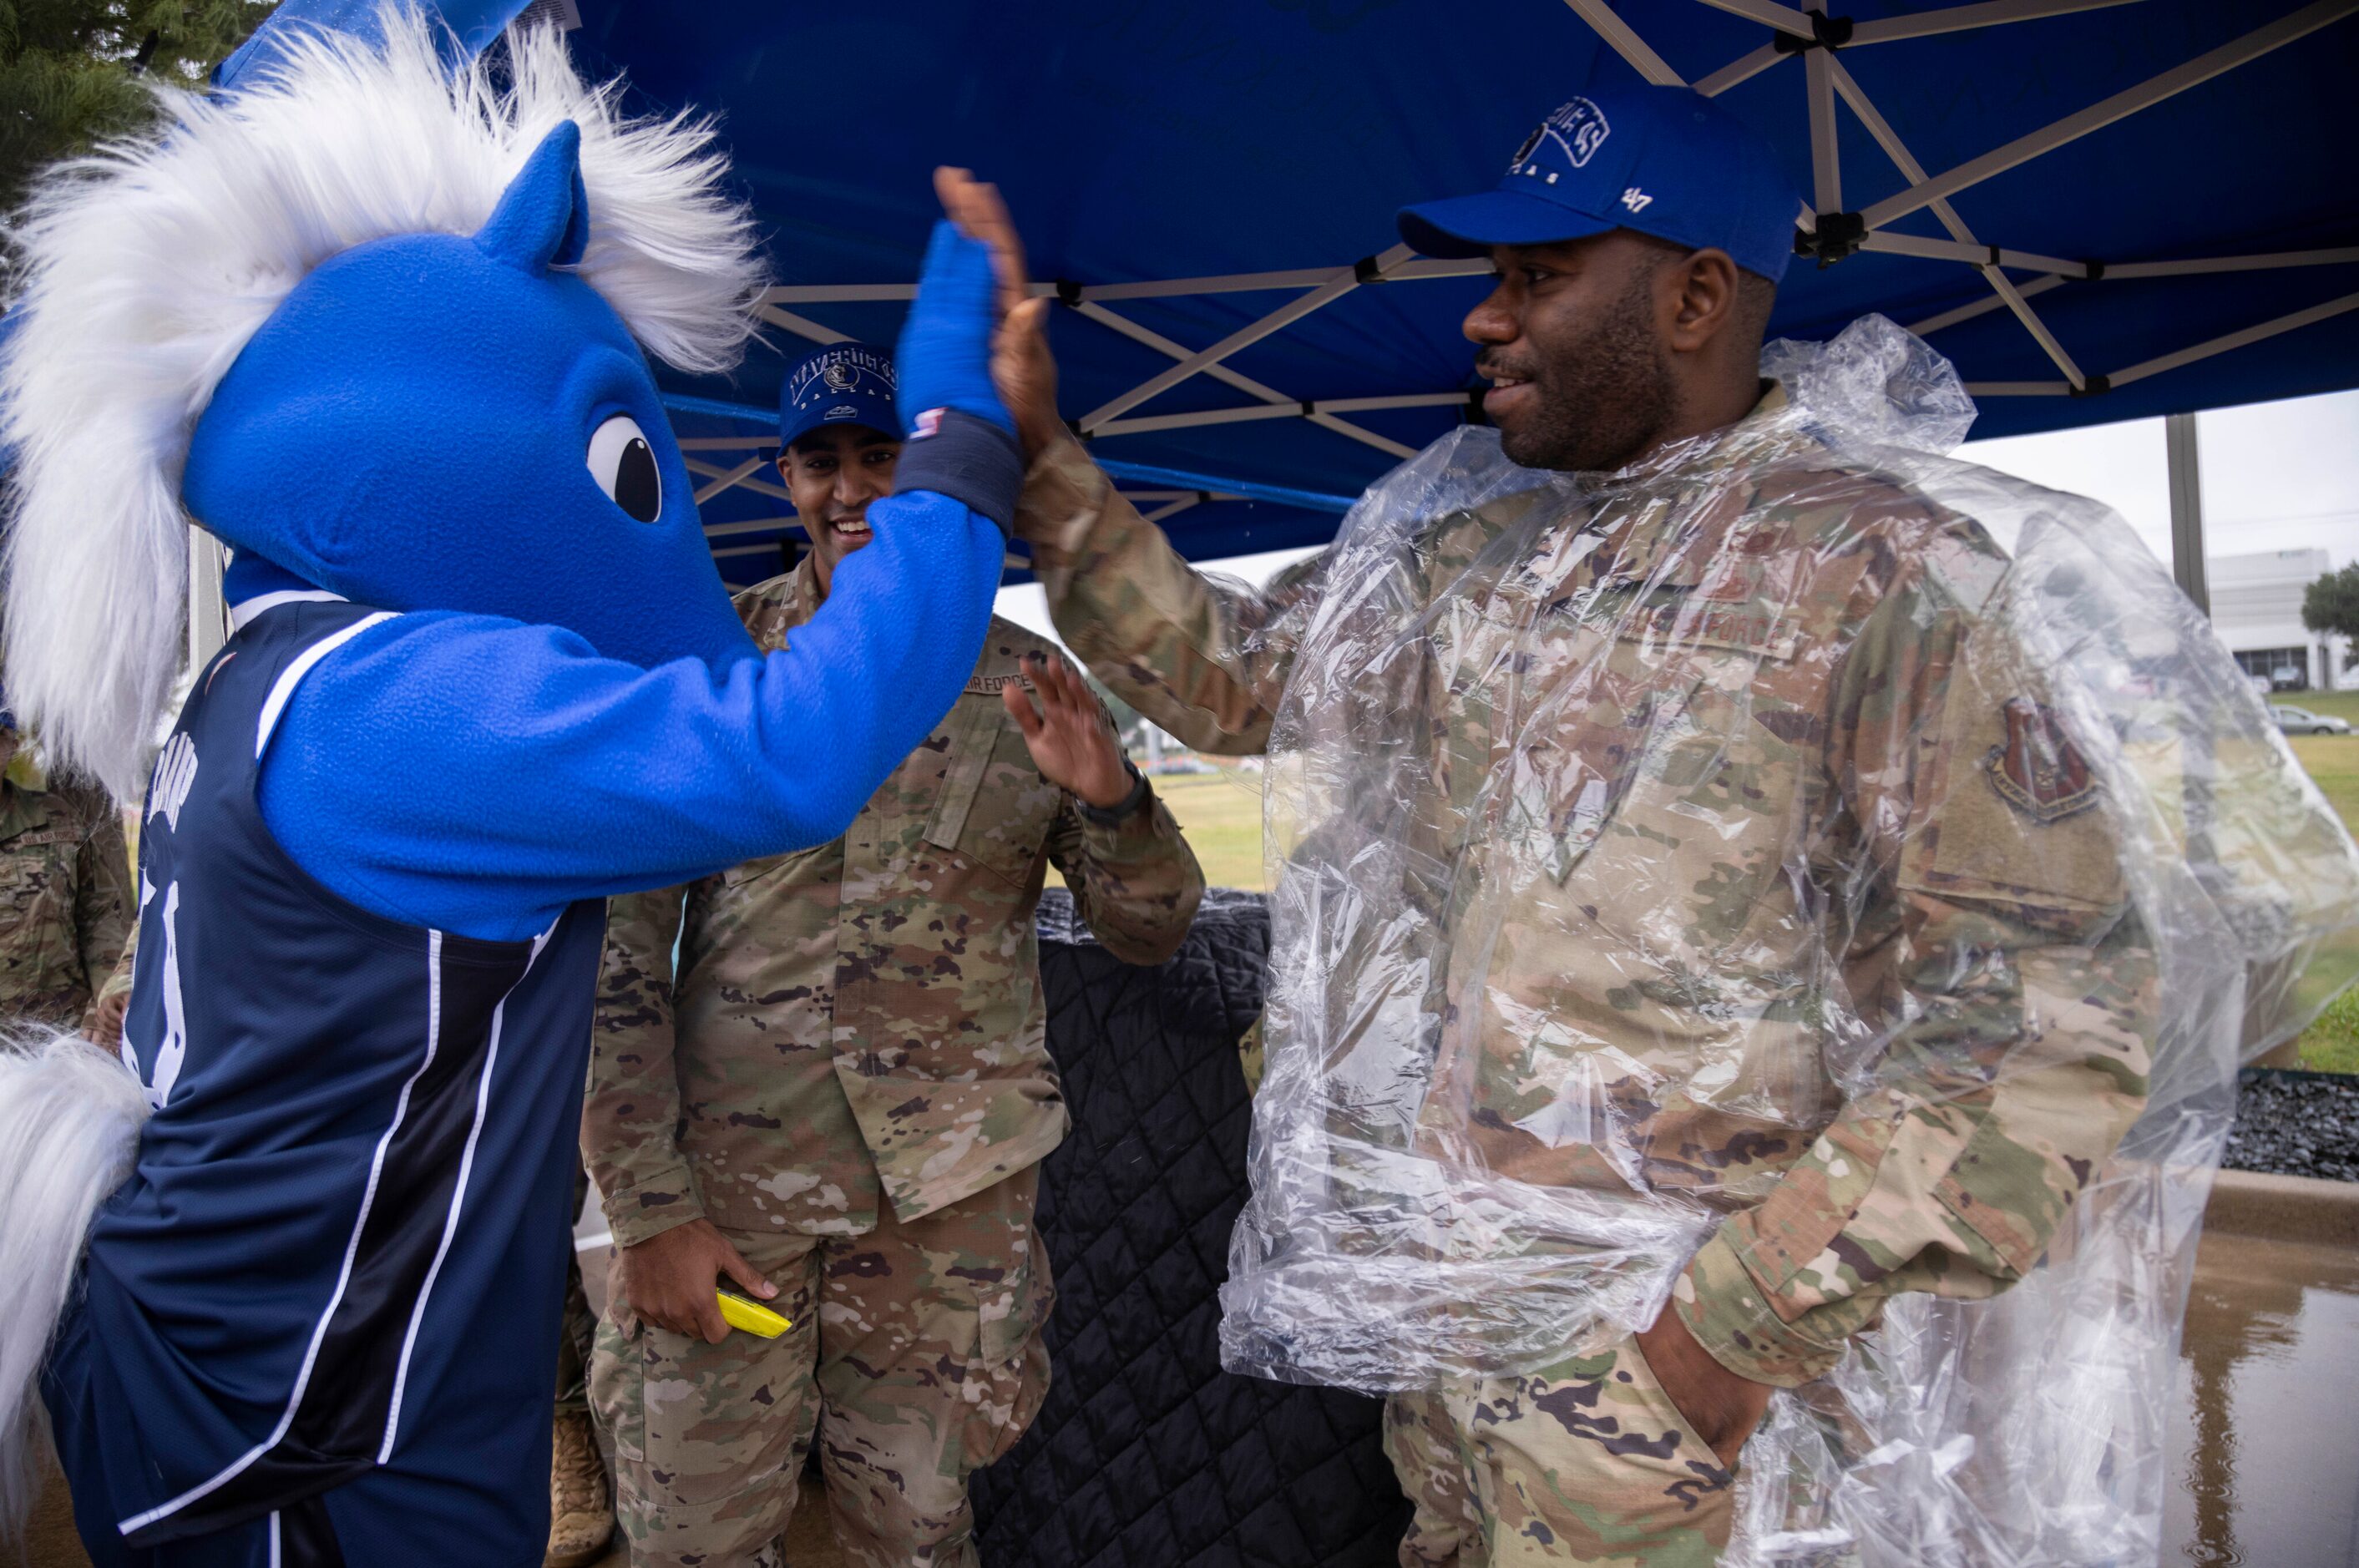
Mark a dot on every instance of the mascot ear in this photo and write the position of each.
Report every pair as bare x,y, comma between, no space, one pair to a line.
543,218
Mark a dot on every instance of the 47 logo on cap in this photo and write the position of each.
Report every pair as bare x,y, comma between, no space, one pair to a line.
1578,128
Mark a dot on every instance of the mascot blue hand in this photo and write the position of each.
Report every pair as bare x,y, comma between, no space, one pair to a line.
945,352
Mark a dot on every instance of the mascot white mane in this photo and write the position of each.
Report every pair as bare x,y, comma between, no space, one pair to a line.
142,270
139,274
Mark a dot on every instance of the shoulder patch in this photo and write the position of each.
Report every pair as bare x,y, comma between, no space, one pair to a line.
2037,768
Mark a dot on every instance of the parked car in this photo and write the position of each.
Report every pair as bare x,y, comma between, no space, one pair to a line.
2260,684
2288,678
2301,721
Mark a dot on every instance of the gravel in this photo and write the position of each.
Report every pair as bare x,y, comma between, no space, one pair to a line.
2296,1124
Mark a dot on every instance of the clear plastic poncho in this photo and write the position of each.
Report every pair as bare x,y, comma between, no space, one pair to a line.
1642,842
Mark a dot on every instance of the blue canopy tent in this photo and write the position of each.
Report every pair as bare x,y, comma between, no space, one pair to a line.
2099,208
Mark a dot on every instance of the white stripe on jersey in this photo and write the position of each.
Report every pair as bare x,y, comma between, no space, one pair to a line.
299,668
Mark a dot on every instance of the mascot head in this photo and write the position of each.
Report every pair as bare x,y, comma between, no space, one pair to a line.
377,319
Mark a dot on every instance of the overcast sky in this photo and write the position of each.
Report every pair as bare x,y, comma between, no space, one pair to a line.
2275,476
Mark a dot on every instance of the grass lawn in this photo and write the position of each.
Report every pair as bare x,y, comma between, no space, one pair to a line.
2341,706
1220,814
2332,1044
2333,764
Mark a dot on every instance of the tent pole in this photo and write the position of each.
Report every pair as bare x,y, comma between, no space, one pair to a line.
1242,383
1743,69
752,526
1314,410
1340,283
2104,112
208,610
2018,388
1970,251
1619,38
2222,343
2037,329
804,326
2186,509
1785,18
1956,18
744,470
1983,307
1841,81
759,487
1826,157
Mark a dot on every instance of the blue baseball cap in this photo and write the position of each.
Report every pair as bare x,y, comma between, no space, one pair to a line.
842,384
1666,161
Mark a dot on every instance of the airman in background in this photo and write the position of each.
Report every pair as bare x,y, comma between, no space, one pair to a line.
836,1102
65,900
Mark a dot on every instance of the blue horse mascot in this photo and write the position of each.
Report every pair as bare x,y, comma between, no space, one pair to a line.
288,1287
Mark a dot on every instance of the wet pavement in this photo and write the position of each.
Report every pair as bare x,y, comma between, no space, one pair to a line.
2265,1451
2265,1454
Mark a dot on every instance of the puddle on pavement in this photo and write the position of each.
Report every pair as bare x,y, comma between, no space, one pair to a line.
2265,1453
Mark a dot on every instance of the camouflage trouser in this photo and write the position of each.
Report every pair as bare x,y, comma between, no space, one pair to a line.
580,1327
1588,1462
913,1355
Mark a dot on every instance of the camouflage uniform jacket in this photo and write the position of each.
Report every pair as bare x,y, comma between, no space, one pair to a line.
65,898
866,1013
1842,701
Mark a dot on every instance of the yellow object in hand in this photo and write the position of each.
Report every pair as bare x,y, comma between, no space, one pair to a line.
751,1317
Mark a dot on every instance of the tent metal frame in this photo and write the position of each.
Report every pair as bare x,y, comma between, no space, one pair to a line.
1826,228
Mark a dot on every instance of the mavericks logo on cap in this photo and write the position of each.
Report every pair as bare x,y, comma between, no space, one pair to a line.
840,369
1578,127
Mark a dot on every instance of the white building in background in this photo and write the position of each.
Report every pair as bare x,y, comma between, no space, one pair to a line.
2257,609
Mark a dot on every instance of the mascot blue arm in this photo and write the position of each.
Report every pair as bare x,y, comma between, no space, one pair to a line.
477,775
459,772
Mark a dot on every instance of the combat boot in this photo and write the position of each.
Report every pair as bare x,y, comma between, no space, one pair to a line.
581,1509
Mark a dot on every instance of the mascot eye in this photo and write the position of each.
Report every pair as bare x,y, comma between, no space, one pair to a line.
624,467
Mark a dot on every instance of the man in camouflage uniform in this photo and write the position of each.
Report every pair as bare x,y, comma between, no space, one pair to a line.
1852,715
846,1091
65,900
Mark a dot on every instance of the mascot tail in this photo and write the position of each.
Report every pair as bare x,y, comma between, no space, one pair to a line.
70,1121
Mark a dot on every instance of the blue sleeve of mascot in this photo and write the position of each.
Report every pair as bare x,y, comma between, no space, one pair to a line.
478,775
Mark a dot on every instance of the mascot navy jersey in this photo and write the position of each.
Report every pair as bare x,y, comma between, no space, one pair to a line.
380,324
350,1216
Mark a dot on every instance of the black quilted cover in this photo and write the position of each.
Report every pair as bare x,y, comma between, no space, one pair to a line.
1145,1453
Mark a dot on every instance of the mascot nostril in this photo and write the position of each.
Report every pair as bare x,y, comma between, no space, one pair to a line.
381,324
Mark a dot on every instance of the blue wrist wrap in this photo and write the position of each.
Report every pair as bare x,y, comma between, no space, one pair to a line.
971,461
